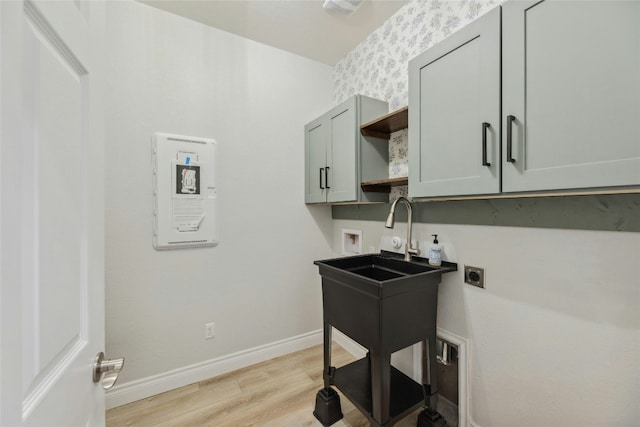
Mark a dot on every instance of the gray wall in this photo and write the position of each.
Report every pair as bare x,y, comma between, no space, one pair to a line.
553,339
259,284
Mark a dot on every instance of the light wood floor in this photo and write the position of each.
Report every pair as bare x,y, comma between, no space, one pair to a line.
277,393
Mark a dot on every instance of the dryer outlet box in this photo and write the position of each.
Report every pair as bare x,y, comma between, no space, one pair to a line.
474,276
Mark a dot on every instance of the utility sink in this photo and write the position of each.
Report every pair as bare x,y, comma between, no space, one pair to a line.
383,274
385,304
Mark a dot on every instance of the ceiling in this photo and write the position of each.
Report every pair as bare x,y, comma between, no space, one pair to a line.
302,27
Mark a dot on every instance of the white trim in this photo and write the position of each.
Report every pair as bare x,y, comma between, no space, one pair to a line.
464,419
355,349
150,386
417,362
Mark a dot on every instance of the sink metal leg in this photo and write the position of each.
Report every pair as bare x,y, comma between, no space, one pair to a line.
430,372
328,409
328,371
380,385
430,416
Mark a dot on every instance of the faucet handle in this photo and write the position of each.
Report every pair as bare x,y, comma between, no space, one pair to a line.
409,251
412,250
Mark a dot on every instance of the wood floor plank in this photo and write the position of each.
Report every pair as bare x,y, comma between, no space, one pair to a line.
153,416
131,410
255,403
276,393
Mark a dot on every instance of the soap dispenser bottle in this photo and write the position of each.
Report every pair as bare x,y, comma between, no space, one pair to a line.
435,252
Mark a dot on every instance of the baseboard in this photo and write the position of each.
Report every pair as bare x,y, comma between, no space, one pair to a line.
132,391
355,349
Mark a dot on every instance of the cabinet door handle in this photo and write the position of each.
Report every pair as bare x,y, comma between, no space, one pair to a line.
510,120
326,177
321,170
485,126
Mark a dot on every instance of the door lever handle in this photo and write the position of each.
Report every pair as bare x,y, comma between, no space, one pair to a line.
107,370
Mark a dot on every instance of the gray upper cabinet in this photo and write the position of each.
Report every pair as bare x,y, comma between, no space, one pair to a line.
338,157
571,94
454,113
315,161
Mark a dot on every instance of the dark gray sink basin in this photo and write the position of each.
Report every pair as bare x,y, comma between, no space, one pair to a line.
383,274
381,296
379,267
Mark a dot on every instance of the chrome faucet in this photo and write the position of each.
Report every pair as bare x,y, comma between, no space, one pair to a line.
391,219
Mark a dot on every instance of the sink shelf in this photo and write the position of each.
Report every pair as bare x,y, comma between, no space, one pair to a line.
354,381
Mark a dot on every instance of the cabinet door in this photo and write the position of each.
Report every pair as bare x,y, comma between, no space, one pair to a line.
454,89
341,154
571,94
315,161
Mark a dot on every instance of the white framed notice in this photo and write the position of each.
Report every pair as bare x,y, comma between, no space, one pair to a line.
185,191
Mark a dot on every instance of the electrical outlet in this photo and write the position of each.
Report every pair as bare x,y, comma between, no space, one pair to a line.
474,276
209,330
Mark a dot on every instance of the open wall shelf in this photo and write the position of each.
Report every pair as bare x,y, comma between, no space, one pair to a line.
383,185
384,126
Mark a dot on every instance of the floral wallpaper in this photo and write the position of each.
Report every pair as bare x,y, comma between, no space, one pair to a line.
378,67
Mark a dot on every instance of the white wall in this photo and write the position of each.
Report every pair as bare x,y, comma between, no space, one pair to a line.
259,285
555,336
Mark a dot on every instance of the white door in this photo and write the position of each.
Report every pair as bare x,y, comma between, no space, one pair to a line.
51,213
